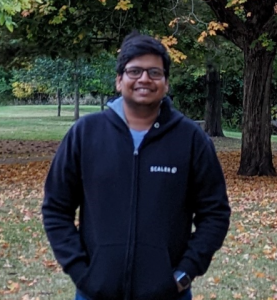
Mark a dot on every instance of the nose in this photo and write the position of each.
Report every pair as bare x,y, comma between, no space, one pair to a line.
144,76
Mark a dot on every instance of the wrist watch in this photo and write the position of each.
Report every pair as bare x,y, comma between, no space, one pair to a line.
183,280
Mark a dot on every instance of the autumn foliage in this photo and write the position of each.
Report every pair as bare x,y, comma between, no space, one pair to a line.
252,235
21,180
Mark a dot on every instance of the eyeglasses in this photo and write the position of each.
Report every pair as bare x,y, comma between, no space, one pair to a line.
136,73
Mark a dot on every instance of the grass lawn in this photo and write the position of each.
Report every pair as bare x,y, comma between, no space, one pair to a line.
38,122
237,135
28,270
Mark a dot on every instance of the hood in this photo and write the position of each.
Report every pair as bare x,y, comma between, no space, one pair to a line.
167,117
117,106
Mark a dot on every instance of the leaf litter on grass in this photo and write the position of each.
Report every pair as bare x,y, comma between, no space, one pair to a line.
244,268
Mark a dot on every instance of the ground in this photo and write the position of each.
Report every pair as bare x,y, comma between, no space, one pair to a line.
24,151
19,151
244,268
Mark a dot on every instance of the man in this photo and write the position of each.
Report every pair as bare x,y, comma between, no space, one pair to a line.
142,174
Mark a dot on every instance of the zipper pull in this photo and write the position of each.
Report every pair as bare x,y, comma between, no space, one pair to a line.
136,152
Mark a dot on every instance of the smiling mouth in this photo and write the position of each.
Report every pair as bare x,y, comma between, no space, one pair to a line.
144,90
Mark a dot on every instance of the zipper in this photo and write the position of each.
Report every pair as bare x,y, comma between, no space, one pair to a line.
132,230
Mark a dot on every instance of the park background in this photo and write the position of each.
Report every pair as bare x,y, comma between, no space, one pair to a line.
57,63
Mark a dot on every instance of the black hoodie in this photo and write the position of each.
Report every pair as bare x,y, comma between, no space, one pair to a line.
136,207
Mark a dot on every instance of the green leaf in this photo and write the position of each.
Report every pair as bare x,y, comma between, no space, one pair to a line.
229,4
17,7
9,26
2,19
72,10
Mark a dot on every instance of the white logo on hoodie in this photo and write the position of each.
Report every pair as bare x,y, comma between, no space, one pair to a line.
163,169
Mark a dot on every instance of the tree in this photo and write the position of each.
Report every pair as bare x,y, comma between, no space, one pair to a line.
188,89
54,76
59,76
70,29
65,77
79,29
214,102
103,78
252,27
9,8
5,86
216,52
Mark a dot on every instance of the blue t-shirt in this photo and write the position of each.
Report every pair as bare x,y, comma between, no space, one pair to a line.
137,136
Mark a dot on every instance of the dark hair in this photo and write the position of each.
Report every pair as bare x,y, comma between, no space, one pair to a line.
136,44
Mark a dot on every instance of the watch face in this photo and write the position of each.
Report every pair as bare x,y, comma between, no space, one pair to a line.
185,281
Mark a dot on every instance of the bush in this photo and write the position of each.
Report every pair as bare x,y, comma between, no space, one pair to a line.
189,92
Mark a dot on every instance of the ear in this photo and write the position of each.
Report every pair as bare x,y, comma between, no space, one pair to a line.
118,82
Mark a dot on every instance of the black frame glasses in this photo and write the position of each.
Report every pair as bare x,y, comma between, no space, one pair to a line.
136,73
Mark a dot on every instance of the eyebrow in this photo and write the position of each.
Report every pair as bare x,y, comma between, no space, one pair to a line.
143,67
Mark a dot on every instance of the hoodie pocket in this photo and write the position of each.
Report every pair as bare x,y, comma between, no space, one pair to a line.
153,274
104,276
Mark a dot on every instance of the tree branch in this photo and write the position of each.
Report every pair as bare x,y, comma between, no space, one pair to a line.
236,31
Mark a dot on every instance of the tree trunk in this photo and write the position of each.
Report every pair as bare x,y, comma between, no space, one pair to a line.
102,101
59,97
213,103
77,98
76,78
256,153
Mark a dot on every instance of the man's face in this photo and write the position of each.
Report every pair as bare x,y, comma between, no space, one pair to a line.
144,90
